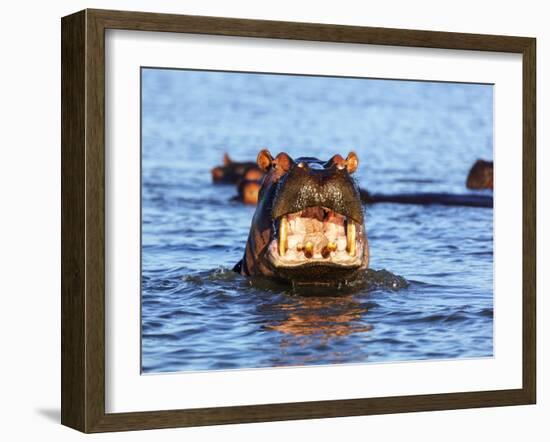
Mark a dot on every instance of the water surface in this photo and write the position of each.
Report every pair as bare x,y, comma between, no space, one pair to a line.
429,293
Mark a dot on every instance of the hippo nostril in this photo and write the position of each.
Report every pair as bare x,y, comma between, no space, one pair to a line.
315,166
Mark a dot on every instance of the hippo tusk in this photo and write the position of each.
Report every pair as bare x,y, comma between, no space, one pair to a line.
283,235
350,238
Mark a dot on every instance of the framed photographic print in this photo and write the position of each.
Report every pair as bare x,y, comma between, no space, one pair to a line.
269,220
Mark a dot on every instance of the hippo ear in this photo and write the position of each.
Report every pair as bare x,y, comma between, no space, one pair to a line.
284,161
264,160
352,162
226,160
337,161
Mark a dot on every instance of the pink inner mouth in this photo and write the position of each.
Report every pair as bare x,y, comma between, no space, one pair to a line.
316,234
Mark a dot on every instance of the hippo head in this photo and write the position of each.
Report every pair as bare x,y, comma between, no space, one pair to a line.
480,175
309,225
248,191
231,172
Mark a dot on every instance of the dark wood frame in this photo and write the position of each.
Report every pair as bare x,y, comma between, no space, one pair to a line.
83,220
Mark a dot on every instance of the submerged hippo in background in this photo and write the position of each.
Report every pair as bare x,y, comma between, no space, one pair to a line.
231,172
248,188
428,199
248,192
309,225
481,175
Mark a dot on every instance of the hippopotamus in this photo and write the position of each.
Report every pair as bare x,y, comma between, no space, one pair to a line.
308,226
249,186
248,191
231,172
480,175
428,198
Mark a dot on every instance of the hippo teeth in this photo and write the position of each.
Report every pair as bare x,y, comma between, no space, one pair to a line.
317,233
328,249
283,236
350,234
308,249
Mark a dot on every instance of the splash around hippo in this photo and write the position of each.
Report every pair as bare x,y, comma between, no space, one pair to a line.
308,227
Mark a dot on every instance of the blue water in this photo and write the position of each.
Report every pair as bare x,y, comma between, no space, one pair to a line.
410,136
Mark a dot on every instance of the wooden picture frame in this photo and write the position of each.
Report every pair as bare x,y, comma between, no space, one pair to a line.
83,220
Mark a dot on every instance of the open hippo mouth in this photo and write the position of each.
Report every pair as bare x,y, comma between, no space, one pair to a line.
316,236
